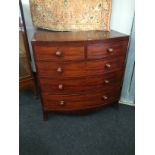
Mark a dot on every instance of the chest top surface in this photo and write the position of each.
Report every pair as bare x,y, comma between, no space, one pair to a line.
46,36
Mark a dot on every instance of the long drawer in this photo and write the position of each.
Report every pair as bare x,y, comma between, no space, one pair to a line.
80,85
75,102
80,69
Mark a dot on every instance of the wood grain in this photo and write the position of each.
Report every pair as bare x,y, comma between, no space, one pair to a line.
88,74
102,50
74,102
80,69
66,53
42,37
81,85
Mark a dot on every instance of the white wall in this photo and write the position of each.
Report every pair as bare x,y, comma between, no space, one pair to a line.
121,18
122,15
128,89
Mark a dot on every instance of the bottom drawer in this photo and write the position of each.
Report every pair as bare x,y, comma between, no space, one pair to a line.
77,102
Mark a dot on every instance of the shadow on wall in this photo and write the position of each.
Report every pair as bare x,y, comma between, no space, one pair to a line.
128,90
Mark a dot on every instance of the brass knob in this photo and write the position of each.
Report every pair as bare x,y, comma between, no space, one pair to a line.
105,97
106,81
59,70
58,53
110,50
62,102
108,65
60,86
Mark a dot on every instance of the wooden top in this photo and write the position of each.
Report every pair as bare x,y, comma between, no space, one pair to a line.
49,36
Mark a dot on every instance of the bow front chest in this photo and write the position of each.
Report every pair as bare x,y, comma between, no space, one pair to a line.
79,70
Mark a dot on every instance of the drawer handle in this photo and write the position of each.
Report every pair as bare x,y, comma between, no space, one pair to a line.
62,102
106,81
110,50
59,70
104,97
58,53
108,65
60,86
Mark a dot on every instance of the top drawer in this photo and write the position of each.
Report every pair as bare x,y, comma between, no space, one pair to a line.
102,50
63,53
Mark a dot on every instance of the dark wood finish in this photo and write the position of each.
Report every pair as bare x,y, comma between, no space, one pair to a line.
78,102
79,70
28,83
45,115
102,50
26,78
48,37
55,53
80,85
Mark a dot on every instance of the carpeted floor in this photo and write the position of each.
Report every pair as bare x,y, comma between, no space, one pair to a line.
104,132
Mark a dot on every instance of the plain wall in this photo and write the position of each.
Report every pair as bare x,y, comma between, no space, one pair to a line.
128,88
121,18
122,15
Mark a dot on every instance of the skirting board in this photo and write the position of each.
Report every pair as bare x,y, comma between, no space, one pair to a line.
127,103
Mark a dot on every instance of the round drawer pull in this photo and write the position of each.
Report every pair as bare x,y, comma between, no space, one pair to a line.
59,70
108,65
106,81
104,97
58,53
110,50
60,86
62,102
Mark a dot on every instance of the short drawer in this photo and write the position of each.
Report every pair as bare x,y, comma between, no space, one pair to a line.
89,68
81,85
102,50
62,53
75,102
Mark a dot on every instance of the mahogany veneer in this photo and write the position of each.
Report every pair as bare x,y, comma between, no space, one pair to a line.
79,70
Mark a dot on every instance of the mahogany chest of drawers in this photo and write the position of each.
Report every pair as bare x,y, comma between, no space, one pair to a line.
79,70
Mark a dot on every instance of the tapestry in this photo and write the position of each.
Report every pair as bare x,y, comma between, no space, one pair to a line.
71,15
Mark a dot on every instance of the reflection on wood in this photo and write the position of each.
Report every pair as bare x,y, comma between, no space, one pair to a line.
26,78
24,69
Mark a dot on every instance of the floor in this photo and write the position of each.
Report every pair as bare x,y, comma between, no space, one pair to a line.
105,132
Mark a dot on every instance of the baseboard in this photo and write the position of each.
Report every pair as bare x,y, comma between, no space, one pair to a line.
127,103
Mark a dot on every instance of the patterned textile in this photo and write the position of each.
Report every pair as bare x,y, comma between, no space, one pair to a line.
71,15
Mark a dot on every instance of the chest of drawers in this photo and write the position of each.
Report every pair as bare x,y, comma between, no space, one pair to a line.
79,70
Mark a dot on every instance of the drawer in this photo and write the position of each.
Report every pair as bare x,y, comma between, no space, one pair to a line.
102,50
80,85
75,102
89,68
62,53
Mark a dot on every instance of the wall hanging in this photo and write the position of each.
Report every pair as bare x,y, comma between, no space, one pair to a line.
71,15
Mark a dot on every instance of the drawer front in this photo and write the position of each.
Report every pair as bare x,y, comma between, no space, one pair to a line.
102,50
75,102
89,68
80,85
53,53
